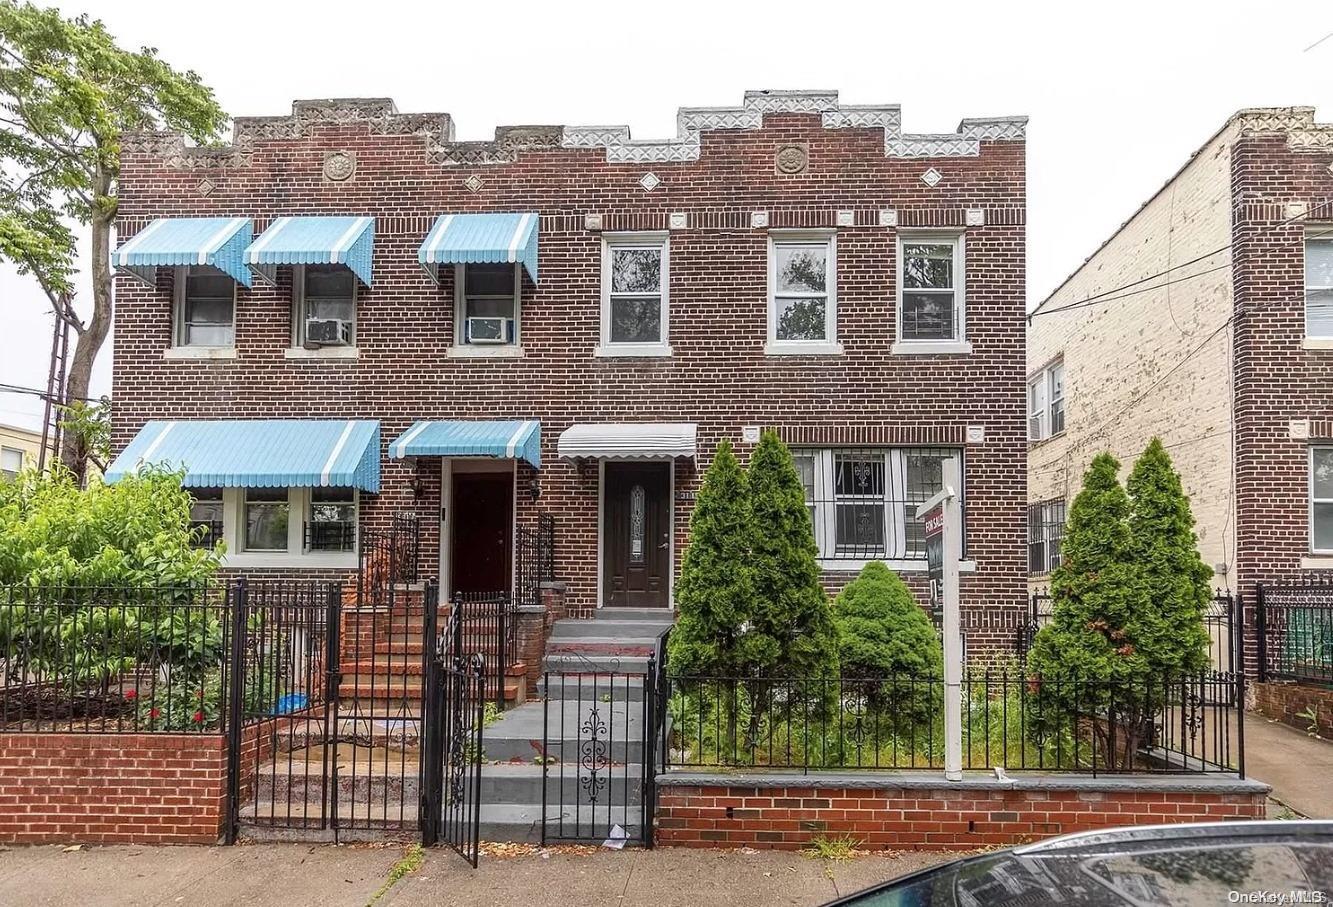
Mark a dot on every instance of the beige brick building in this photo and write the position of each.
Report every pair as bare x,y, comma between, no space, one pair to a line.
1164,331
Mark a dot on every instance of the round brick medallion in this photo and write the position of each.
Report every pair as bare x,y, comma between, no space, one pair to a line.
792,159
339,166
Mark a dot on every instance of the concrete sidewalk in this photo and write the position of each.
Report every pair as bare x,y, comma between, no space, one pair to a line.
293,875
1298,766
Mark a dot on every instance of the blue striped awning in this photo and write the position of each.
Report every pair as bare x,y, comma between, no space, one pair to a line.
506,440
170,242
460,239
260,453
314,241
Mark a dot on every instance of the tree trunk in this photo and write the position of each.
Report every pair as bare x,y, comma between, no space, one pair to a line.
91,336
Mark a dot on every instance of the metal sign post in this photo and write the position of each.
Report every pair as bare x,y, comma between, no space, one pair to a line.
944,549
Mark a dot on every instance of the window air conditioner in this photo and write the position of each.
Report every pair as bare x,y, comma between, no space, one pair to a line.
327,332
488,330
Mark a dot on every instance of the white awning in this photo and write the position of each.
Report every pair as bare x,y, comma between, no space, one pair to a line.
628,439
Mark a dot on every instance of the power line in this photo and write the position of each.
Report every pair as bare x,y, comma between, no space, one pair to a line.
36,392
1107,295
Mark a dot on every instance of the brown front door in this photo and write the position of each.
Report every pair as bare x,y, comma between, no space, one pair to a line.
483,513
636,535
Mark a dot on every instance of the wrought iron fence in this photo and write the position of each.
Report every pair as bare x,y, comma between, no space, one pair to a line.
114,659
336,535
534,548
485,624
388,558
1020,723
1293,624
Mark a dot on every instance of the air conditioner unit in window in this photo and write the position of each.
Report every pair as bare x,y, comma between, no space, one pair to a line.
489,330
327,332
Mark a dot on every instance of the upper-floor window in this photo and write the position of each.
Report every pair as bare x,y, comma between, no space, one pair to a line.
1319,285
635,294
205,307
206,516
930,288
1046,402
11,463
325,306
487,305
802,292
1321,500
1046,527
863,501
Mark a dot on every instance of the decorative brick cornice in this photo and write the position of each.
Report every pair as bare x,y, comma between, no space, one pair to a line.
1297,123
691,121
436,131
874,435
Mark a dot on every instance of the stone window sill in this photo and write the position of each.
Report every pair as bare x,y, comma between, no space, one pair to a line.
324,352
199,352
897,566
931,347
485,352
801,348
632,351
336,560
1317,343
1317,562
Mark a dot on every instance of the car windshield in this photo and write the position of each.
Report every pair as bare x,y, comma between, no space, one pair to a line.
1115,876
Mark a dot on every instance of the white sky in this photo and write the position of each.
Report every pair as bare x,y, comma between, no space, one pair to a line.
1118,99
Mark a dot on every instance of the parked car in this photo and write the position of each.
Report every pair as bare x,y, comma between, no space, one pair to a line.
1207,863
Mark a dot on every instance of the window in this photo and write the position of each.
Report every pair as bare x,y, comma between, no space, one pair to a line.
635,280
802,280
325,306
487,305
1046,402
266,513
930,288
205,308
1319,285
1321,500
1046,526
11,463
206,516
863,501
331,525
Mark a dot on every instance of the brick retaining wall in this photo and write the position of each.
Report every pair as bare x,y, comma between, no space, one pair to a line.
924,813
1285,701
112,788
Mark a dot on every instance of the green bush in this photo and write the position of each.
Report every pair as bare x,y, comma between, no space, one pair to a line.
882,632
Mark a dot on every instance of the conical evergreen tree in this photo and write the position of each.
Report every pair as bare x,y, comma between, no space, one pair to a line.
715,593
1171,635
793,624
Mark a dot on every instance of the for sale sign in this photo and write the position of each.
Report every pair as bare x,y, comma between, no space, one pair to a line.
935,559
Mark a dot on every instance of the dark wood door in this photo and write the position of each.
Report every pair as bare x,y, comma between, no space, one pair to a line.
636,535
482,518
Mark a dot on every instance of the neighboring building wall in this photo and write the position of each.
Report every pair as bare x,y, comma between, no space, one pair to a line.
408,170
1282,175
27,443
1152,363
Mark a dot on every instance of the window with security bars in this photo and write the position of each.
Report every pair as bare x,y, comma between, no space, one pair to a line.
862,501
1046,526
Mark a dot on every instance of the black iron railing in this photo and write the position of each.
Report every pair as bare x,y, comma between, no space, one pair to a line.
388,557
1293,624
1021,723
484,624
325,535
534,559
206,533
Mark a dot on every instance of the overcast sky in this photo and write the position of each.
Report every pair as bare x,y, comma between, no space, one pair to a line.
1118,98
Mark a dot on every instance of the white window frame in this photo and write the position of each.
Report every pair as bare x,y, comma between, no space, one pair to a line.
5,472
636,240
178,343
914,347
1042,382
297,349
298,504
829,345
1323,235
1312,500
486,351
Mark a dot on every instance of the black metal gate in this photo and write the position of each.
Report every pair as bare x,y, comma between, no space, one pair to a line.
452,750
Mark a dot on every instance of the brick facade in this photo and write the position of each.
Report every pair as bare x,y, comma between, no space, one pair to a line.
1212,356
958,817
408,171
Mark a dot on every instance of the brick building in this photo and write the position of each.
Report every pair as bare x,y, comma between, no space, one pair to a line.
1206,320
347,314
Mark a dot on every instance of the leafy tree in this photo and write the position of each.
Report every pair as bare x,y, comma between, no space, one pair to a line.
792,612
715,597
883,633
67,93
1165,548
90,426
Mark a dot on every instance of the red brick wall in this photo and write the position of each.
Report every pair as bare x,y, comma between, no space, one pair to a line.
1276,380
112,788
954,818
718,376
1285,701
